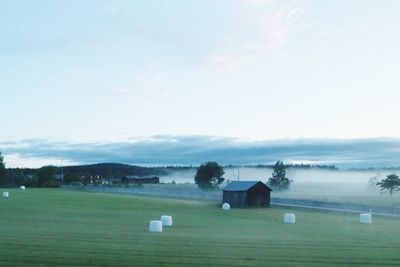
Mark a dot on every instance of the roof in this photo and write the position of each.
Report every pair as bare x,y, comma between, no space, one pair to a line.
242,185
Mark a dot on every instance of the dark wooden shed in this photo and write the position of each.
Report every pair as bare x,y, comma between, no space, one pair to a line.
244,194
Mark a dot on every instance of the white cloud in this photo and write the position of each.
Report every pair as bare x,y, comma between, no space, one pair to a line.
279,24
269,26
22,161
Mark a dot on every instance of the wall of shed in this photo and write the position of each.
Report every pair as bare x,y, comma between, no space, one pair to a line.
258,196
237,199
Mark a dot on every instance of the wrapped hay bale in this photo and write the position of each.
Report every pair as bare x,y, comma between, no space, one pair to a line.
166,220
226,206
5,194
366,218
155,226
289,218
22,187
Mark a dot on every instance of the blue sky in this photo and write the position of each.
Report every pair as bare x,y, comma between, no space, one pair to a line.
107,72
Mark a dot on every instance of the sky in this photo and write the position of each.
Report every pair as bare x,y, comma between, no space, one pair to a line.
98,74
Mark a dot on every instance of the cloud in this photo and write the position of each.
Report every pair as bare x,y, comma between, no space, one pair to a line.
268,27
279,24
194,150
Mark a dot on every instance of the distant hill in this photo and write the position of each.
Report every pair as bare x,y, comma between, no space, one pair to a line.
117,170
114,170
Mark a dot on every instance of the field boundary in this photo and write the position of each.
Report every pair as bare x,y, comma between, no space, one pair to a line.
334,206
214,196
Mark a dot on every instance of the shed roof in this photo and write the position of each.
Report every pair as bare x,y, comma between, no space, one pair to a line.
242,185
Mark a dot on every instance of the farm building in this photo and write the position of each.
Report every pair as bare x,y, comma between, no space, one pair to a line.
242,194
92,179
140,180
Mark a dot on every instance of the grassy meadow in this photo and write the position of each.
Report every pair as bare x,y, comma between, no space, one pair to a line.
56,227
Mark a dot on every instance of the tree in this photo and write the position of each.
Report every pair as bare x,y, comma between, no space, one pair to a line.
391,183
71,177
3,172
279,181
15,177
45,176
209,175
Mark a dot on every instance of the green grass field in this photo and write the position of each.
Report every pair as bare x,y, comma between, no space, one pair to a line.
55,227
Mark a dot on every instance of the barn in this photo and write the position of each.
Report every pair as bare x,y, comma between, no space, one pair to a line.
244,194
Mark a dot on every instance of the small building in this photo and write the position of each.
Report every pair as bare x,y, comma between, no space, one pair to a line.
245,194
92,179
129,179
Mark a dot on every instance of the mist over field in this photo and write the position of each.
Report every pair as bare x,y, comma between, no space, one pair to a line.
306,182
302,176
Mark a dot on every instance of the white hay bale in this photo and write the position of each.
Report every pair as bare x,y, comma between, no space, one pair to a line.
366,218
5,194
166,220
289,218
155,226
226,206
22,187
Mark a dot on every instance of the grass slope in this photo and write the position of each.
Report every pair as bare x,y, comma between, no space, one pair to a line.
53,227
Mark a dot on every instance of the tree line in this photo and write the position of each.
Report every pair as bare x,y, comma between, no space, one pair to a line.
208,175
53,176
